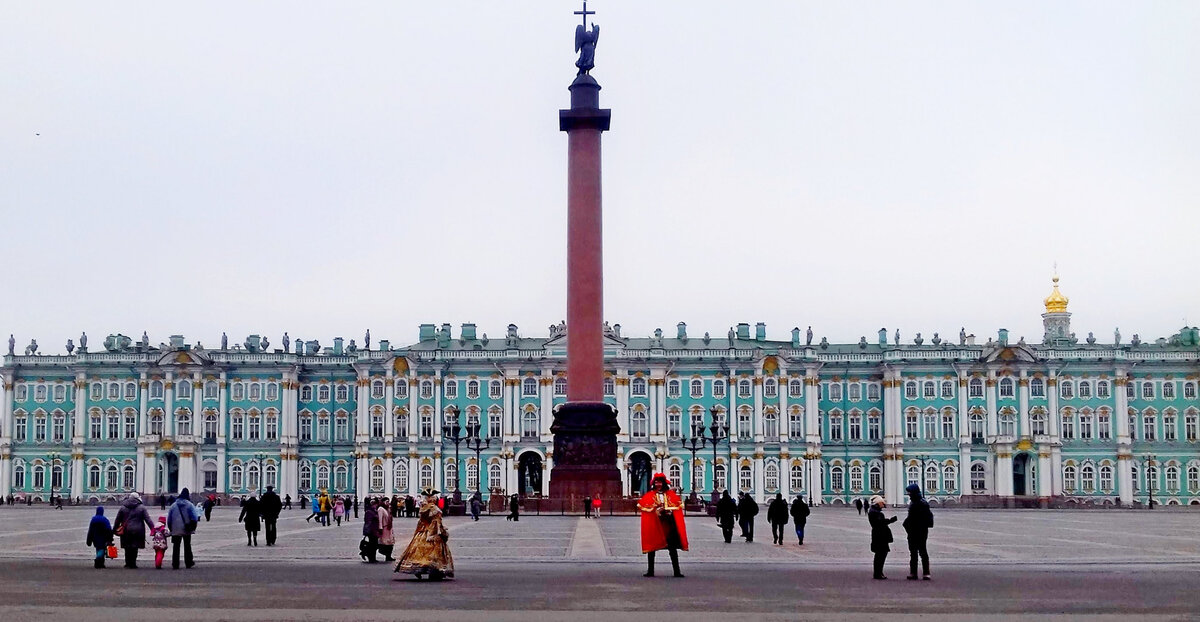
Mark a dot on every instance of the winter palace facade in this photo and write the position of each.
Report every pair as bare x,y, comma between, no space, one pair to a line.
1063,421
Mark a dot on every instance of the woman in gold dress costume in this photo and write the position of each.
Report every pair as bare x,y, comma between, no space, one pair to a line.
428,553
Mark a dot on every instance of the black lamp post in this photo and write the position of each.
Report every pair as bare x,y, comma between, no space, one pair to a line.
260,456
53,456
453,432
477,445
716,434
695,443
1149,463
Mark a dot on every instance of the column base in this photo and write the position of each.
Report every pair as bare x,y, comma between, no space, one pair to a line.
585,451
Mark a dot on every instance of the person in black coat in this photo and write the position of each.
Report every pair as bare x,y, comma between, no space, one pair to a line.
410,506
727,511
800,517
271,507
370,531
917,524
881,534
251,514
777,515
858,505
747,510
514,508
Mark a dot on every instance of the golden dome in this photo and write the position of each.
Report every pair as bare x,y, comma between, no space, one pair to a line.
1056,302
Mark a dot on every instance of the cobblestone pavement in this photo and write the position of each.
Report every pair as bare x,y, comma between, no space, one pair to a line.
834,536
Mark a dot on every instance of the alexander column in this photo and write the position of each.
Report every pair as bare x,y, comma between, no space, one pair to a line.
585,427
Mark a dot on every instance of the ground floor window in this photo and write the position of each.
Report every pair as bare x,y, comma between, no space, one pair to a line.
978,478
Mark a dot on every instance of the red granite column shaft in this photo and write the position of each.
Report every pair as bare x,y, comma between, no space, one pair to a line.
585,267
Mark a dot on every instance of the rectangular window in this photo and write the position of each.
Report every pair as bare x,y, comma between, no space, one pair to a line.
673,389
97,392
1168,391
210,390
238,393
305,428
744,427
930,391
114,427
272,391
272,427
1148,390
795,387
472,390
910,390
1102,389
342,393
1085,390
910,426
835,428
674,425
947,390
1037,388
130,426
873,423
494,425
1148,428
1068,427
975,389
1169,425
854,433
855,391
771,389
1189,391
1104,426
323,393
947,426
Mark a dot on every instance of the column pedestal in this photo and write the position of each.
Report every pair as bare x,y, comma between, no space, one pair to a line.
585,450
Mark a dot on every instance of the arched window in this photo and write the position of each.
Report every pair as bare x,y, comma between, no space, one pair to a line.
975,388
377,478
451,476
978,477
400,476
183,422
950,478
252,477
720,477
472,476
744,387
127,477
771,476
1085,390
377,390
610,386
1172,476
1193,478
637,387
698,475
341,477
529,424
426,476
1006,388
795,387
94,477
112,477
875,473
494,477
675,474
638,424
472,389
156,423
771,425
1106,478
19,475
341,393
156,390
529,387
718,388
1069,478
947,390
1087,478
931,479
270,475
910,390
1037,388
697,388
235,476
913,474
929,390
305,477
322,477
451,389
856,478
770,388
853,391
797,478
183,389
674,388
745,479
1066,389
238,426
837,482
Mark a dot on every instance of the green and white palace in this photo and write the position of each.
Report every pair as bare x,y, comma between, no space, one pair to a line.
996,422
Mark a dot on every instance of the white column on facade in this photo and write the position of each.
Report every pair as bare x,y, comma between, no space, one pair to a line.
731,419
439,416
545,403
511,430
389,473
659,418
621,386
758,406
1023,404
784,418
169,405
198,405
362,394
893,426
81,416
1053,419
964,437
439,470
414,419
222,413
1124,442
389,419
143,406
547,467
414,474
785,474
6,435
760,488
1045,479
992,417
813,477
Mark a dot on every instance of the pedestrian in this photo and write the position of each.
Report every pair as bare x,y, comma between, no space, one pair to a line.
326,506
158,541
162,502
881,534
130,526
777,515
662,523
208,506
370,531
355,509
316,510
727,513
514,508
800,517
917,524
182,521
99,536
287,501
410,506
428,551
596,506
339,511
271,507
587,506
747,510
251,515
387,537
476,506
858,505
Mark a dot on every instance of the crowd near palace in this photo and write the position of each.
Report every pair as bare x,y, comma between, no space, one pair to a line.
1067,420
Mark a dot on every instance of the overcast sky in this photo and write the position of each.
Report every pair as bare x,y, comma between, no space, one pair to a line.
322,168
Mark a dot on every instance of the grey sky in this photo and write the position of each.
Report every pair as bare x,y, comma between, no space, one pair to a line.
323,168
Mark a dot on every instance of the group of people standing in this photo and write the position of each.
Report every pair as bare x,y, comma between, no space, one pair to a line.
265,511
917,525
132,524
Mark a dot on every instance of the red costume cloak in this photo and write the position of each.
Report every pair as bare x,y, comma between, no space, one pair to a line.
655,536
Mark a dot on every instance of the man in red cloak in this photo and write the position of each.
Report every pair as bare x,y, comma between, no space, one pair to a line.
662,523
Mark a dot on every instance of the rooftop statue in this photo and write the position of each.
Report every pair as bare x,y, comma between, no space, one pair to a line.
808,337
32,348
12,344
70,346
83,341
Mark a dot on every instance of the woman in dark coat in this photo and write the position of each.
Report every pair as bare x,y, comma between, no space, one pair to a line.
881,534
514,508
251,514
777,515
800,517
99,536
132,521
727,511
370,532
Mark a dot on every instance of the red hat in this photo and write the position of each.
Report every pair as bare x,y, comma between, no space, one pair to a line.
658,476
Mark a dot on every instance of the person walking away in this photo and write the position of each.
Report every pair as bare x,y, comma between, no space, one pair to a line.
99,536
208,506
316,510
387,538
858,505
777,515
326,506
370,531
596,504
251,515
271,507
355,502
514,508
747,510
881,534
587,506
339,511
130,525
158,541
182,521
287,502
662,523
410,506
917,524
727,514
476,506
800,517
428,551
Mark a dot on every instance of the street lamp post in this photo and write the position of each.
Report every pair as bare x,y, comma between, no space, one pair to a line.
1148,461
53,456
260,456
694,443
716,434
507,454
477,445
453,432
